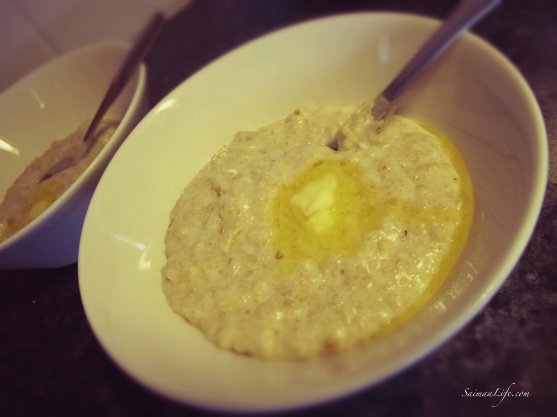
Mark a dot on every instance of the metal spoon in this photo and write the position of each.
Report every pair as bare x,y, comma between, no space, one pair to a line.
127,69
465,15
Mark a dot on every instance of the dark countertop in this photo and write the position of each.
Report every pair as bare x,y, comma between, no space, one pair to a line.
52,365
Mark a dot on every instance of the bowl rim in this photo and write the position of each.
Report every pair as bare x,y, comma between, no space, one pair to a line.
468,312
103,155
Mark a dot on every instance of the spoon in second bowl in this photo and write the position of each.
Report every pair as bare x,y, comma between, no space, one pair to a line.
465,15
132,60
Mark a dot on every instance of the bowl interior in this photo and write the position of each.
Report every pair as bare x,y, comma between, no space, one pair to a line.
51,102
474,96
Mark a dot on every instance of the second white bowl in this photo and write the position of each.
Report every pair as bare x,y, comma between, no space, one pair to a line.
49,104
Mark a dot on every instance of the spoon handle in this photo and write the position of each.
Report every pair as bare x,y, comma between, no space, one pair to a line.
465,15
133,58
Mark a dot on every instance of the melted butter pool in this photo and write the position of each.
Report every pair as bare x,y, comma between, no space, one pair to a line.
325,210
328,209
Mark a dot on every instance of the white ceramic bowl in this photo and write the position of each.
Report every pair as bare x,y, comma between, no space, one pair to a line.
474,95
49,104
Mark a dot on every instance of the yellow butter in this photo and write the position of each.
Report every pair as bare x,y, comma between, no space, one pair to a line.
316,201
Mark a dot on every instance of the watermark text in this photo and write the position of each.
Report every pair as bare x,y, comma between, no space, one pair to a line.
499,394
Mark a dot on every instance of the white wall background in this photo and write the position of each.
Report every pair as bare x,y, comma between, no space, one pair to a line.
34,31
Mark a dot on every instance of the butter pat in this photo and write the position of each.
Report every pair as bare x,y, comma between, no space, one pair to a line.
316,201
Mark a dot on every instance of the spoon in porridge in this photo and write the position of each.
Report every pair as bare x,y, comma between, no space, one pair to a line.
465,15
120,80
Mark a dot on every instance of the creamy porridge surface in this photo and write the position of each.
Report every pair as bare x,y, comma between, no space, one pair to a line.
28,197
282,248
